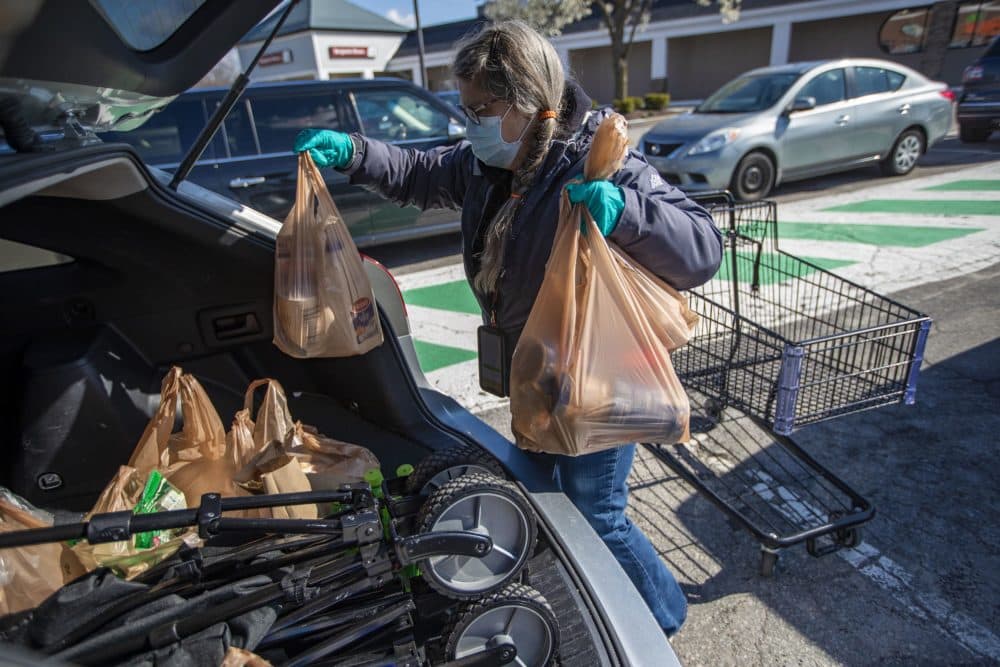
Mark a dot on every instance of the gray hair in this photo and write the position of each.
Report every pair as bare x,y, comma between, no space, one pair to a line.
513,62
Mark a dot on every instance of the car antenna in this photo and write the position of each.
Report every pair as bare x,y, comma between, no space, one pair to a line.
228,102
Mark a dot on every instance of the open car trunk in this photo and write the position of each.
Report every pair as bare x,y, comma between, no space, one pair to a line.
119,279
141,284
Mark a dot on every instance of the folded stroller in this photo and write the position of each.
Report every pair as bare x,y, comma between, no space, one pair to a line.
391,575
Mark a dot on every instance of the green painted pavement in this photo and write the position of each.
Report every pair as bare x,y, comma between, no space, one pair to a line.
455,296
433,357
950,207
881,235
775,268
969,185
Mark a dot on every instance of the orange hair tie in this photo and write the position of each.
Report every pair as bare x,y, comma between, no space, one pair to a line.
544,115
514,195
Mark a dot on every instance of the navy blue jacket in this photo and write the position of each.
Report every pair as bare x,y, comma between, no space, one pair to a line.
660,227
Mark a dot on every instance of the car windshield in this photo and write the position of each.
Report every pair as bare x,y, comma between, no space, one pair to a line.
754,92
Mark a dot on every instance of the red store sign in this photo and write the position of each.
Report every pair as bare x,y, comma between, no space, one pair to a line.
351,52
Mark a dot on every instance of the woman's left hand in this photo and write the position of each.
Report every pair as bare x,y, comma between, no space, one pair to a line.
603,199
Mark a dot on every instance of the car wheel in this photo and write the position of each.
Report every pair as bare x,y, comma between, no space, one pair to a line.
754,177
904,154
973,135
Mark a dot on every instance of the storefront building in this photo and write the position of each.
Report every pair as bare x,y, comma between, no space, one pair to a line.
687,51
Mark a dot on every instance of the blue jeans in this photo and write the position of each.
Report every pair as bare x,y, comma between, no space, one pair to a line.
598,486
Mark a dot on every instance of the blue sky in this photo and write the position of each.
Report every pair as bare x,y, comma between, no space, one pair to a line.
431,11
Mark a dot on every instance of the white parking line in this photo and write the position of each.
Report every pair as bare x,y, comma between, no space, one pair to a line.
889,576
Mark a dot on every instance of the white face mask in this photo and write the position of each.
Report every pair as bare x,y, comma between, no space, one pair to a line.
487,141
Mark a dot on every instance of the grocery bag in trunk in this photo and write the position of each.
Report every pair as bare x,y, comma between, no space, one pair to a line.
592,367
323,302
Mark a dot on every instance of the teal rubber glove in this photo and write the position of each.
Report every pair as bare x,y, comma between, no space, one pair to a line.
603,199
327,148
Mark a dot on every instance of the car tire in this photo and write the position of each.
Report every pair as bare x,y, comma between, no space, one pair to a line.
753,177
973,135
905,152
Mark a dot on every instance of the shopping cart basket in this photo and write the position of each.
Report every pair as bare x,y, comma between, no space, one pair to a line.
788,343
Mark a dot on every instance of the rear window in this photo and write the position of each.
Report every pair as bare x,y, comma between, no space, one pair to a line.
874,80
164,138
147,24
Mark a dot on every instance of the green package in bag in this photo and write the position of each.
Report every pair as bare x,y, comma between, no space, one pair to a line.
159,495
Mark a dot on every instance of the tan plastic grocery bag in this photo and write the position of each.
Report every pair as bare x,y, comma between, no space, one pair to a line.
592,368
323,302
328,463
193,459
30,574
121,494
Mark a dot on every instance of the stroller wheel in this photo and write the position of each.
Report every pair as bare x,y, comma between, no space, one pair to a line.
483,504
446,464
517,612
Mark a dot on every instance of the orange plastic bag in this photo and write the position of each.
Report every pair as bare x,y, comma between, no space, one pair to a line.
323,302
592,367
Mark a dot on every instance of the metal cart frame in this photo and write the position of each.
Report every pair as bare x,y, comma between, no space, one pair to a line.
788,343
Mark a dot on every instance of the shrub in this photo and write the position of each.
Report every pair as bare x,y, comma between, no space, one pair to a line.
624,106
638,102
657,101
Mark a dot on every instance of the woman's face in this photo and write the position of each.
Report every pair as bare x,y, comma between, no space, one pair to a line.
483,104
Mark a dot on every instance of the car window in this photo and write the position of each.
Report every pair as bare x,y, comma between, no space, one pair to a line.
976,23
398,115
166,136
749,93
146,25
279,119
874,80
16,256
827,88
239,136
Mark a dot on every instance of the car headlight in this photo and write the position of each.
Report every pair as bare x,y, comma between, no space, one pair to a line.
715,141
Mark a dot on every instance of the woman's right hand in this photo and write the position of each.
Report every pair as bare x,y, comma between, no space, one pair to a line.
327,148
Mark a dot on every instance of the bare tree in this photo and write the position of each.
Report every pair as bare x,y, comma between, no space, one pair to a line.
546,16
622,19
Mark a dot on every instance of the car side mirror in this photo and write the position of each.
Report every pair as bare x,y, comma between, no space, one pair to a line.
456,131
802,104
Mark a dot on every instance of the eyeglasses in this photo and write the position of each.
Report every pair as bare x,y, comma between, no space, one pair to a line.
472,113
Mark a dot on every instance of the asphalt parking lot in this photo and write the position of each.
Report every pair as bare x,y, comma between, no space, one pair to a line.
923,588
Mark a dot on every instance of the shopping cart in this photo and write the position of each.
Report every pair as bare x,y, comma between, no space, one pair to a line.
787,343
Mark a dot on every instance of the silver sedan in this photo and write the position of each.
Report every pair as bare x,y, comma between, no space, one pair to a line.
796,121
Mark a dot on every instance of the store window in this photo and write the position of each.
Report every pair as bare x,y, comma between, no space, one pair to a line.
976,23
904,31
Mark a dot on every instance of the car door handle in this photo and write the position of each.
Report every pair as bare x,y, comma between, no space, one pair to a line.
844,120
246,182
904,109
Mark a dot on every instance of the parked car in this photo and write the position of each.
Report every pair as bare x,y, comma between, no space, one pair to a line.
251,159
452,97
979,104
109,276
790,122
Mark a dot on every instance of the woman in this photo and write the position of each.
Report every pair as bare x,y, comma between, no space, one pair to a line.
529,131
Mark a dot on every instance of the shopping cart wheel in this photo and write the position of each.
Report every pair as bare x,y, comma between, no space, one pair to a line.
768,561
446,464
484,504
517,612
